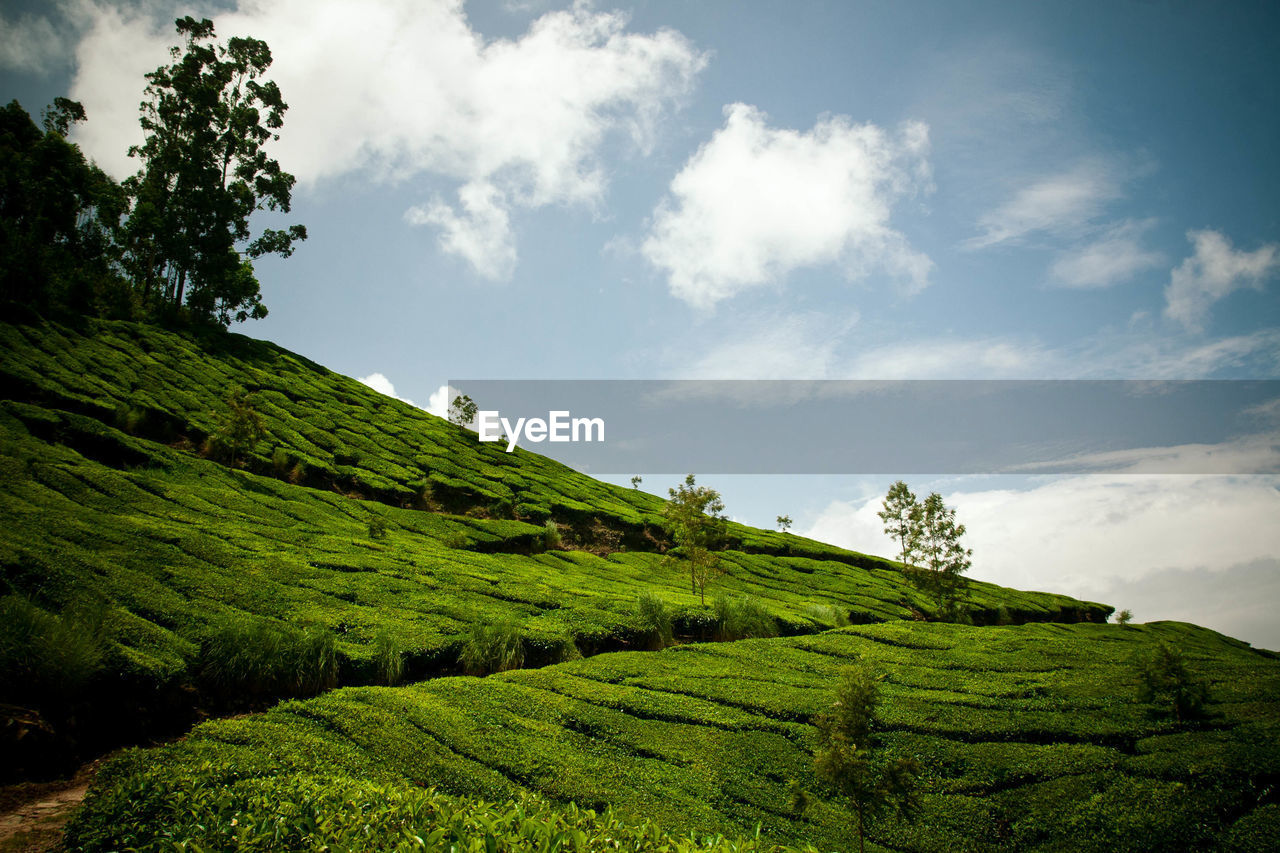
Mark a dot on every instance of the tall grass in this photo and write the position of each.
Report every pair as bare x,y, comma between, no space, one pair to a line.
256,658
655,618
388,659
47,656
494,647
743,618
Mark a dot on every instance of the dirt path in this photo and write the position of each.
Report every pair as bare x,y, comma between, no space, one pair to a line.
33,814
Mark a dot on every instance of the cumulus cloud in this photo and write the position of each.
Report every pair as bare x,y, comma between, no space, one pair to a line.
1214,271
382,385
1092,536
1058,204
1115,257
398,89
756,202
30,43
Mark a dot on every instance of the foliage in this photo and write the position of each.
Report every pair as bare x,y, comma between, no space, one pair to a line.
388,658
828,614
902,516
462,411
1024,734
252,659
46,656
636,481
489,648
655,620
1167,683
1124,617
240,428
58,217
377,527
784,523
743,618
206,120
943,559
849,762
551,536
297,813
695,522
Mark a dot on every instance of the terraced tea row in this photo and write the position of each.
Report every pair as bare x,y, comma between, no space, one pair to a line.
1030,738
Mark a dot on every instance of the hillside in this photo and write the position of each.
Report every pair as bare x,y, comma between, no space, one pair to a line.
357,519
150,582
1029,735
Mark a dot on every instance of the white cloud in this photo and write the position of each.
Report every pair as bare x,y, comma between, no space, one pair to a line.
30,43
1211,273
481,235
956,358
383,385
1091,535
756,202
800,346
438,402
396,89
1115,257
1058,204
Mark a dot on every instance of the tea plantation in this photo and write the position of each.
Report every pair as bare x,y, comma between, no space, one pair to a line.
1030,739
356,515
149,580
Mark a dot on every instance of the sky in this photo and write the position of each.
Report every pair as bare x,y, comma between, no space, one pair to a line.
728,190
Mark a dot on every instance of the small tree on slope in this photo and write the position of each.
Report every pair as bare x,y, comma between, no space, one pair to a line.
696,524
850,764
901,517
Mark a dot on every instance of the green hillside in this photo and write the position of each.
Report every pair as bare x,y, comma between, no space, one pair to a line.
356,515
149,580
1029,735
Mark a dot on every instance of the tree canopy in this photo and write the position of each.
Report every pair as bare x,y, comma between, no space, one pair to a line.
696,525
207,117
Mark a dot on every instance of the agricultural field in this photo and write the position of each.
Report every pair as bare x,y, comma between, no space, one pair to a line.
1030,738
149,580
358,527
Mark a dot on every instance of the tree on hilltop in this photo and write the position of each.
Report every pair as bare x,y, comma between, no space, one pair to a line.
695,522
901,517
207,117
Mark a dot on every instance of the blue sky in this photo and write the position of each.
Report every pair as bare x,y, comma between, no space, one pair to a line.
767,190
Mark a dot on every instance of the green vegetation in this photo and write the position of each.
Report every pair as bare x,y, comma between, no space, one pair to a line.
695,521
462,411
1028,738
353,514
1166,683
1124,617
849,762
655,621
784,523
492,648
929,530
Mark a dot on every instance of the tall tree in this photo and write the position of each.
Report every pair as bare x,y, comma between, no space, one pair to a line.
696,524
851,764
944,560
207,117
901,517
58,217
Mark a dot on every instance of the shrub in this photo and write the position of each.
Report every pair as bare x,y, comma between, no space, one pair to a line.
388,659
377,527
1166,683
254,658
743,618
494,647
828,615
281,461
43,655
1124,617
455,539
551,536
655,619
